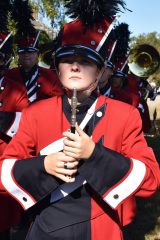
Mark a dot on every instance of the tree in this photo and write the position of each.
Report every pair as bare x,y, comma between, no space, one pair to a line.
152,38
54,10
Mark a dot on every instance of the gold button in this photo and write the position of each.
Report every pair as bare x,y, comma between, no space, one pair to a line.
116,196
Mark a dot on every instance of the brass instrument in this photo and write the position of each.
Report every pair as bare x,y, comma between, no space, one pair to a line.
46,51
46,58
143,60
74,110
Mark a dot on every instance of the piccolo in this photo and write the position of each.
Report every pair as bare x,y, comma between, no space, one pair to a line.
73,110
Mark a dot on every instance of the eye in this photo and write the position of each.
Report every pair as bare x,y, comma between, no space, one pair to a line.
85,62
66,60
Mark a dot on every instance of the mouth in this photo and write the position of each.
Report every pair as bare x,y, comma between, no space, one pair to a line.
74,77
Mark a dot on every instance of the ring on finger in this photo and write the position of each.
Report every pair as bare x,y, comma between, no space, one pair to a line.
65,165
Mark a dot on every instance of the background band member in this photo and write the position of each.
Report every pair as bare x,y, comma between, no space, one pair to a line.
37,82
12,100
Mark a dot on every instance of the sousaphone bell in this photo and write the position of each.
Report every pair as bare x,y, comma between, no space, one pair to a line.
143,60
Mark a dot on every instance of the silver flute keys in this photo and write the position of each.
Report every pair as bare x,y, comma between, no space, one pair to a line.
73,110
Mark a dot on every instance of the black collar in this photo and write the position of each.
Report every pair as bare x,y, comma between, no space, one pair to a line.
28,75
81,109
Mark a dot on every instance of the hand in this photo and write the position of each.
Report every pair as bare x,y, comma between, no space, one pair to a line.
61,166
78,146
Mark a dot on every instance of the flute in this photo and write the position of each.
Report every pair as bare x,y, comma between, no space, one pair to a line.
73,110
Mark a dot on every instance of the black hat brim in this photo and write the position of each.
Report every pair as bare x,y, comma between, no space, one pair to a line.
27,49
119,74
78,50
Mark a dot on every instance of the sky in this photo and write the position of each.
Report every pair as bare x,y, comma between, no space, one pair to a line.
144,17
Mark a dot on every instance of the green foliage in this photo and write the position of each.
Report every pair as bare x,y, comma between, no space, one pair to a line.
53,10
152,38
44,37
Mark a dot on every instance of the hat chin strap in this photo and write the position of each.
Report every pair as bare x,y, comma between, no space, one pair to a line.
100,74
84,93
93,85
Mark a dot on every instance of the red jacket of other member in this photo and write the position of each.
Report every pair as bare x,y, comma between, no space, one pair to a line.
47,82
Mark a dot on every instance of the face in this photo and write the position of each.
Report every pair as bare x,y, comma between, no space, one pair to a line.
28,59
117,82
78,72
105,77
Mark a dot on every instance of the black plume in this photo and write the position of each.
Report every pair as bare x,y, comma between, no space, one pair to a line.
5,7
93,11
122,34
22,15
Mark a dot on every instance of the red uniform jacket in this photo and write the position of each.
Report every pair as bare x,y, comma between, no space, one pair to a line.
134,88
12,97
47,82
121,95
135,98
132,83
12,101
102,198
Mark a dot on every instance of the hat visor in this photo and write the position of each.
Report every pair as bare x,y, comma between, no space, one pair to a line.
119,74
109,64
27,50
79,50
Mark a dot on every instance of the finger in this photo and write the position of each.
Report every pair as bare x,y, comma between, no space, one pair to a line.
64,171
72,154
80,131
66,178
66,158
70,143
70,135
68,165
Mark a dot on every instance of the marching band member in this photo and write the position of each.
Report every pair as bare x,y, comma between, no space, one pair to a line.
37,82
114,81
12,101
82,184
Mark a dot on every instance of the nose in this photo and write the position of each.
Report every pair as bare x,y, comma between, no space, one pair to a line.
75,67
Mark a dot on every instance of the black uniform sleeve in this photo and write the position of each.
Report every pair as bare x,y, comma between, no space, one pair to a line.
104,169
34,172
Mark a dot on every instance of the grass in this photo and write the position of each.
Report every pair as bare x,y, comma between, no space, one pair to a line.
146,225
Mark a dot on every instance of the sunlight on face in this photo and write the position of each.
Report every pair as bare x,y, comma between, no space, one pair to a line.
77,72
